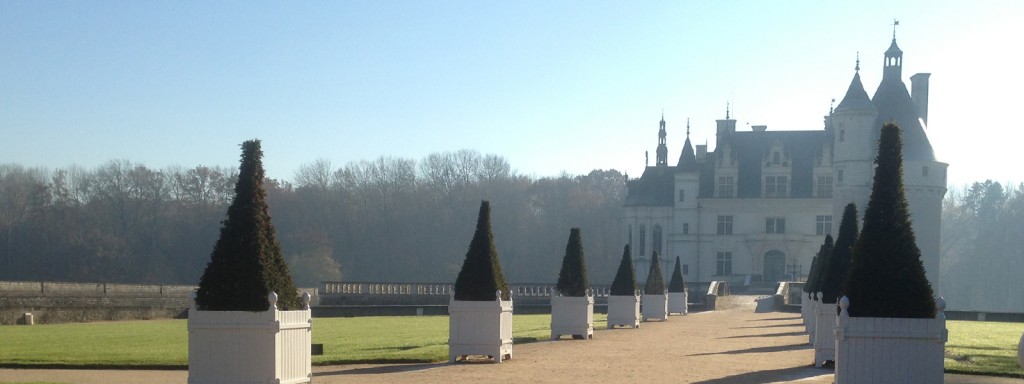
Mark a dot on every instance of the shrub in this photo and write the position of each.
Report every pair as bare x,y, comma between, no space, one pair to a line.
572,278
817,265
624,283
842,254
676,283
655,282
246,263
480,276
887,278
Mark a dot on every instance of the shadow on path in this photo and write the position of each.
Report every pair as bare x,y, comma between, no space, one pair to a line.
770,376
397,368
776,348
766,335
777,319
770,326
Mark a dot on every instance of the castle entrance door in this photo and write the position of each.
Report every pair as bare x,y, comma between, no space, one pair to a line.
774,267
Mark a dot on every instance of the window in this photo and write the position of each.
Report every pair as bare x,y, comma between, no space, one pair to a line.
924,171
682,195
686,228
775,225
686,269
726,186
842,135
824,186
642,238
724,225
776,158
823,225
839,177
724,267
656,238
775,186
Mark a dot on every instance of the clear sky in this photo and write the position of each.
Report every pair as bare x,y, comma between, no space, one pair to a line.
551,85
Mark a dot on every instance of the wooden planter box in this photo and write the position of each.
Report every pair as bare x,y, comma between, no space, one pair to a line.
824,334
573,316
624,311
889,350
250,347
655,307
479,328
677,303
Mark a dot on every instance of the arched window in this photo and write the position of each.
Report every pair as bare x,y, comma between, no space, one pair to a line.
642,238
656,239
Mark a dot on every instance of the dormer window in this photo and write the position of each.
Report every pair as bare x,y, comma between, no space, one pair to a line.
776,158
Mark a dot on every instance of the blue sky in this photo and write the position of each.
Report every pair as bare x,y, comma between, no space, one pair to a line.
552,86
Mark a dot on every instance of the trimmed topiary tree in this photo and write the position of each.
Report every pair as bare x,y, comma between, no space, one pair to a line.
813,285
246,263
676,283
624,283
572,278
655,282
842,255
480,276
887,277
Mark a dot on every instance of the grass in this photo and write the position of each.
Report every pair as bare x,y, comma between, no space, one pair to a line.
163,344
983,348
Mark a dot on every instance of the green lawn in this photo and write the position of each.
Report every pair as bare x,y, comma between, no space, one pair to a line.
987,348
974,347
164,343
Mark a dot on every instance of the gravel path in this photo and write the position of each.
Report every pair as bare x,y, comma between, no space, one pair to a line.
726,346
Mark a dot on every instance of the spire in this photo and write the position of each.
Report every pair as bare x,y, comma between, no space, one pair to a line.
727,110
857,68
687,159
662,152
894,24
856,98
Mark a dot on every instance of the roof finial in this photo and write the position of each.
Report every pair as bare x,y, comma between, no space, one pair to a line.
830,105
894,24
687,127
727,110
857,68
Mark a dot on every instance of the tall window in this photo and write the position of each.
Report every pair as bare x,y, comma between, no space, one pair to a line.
686,228
642,238
726,187
656,238
724,265
775,186
839,176
823,226
682,195
725,225
824,186
775,225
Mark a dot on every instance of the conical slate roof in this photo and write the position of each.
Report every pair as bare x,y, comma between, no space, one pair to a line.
856,98
894,104
687,159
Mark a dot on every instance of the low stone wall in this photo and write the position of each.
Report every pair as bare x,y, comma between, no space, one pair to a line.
64,302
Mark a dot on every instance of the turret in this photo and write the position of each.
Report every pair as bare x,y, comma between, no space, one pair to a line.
725,129
662,152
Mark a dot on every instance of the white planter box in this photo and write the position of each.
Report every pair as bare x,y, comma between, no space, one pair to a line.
479,328
250,347
655,307
812,309
889,350
824,334
572,316
677,303
805,309
1020,352
623,311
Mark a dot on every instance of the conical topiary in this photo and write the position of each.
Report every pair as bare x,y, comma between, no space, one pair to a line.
676,283
246,263
480,276
655,282
887,278
842,254
624,283
572,278
810,274
820,261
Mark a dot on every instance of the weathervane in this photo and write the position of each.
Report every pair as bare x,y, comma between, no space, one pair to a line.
894,24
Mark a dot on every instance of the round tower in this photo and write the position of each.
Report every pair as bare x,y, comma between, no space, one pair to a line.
854,143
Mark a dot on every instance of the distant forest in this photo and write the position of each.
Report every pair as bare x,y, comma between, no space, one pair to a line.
401,220
390,219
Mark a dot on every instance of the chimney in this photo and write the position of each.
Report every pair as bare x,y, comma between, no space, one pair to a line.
702,152
919,94
759,128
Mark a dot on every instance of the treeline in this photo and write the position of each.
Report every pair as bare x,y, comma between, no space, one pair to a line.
390,219
983,247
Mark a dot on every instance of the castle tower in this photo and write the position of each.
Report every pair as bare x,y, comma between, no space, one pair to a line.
854,142
662,152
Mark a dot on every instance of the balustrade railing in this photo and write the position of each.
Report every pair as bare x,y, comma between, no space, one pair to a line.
375,288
